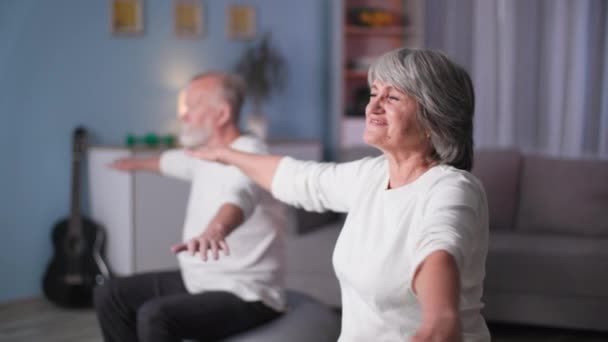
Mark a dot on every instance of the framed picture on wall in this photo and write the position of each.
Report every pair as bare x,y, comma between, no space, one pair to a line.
126,17
241,22
188,18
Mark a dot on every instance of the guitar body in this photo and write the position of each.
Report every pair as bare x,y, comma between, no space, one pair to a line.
77,265
75,269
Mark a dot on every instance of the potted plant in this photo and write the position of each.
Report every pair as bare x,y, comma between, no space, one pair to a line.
265,71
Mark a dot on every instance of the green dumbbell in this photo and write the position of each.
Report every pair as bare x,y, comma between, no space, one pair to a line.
150,140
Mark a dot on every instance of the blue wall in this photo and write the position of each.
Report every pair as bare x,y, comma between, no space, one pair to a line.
60,67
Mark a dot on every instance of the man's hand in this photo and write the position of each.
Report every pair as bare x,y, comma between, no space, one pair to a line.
211,239
136,164
443,329
125,164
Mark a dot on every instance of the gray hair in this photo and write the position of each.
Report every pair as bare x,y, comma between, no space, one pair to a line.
232,90
445,96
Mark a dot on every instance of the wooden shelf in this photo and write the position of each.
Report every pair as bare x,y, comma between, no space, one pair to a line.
356,47
396,31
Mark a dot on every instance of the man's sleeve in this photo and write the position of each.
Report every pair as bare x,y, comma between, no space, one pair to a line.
241,191
175,163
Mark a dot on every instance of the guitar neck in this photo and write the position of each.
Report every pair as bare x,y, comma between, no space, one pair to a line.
75,215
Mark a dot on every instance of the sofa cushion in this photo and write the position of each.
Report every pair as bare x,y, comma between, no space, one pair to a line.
564,196
499,170
546,264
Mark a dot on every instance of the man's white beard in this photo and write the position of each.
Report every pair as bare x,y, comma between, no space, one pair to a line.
191,137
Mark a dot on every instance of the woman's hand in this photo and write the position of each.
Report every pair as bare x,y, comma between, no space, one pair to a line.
208,153
444,329
211,239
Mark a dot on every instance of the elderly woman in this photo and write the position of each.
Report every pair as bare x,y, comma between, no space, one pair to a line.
411,255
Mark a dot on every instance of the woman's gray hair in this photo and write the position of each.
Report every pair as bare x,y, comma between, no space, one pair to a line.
445,96
232,89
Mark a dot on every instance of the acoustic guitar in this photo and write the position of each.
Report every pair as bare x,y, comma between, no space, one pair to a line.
77,265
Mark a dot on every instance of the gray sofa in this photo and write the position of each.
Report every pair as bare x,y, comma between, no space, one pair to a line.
548,251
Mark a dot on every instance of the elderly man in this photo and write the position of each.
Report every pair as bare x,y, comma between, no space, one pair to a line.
210,297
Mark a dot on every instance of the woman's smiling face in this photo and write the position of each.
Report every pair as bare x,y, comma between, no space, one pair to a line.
391,120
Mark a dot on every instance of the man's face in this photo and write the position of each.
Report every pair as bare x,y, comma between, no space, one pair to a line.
198,111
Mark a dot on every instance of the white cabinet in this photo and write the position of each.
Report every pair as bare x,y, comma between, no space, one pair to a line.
143,213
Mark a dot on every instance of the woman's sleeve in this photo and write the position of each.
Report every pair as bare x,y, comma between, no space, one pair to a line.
175,163
453,220
316,186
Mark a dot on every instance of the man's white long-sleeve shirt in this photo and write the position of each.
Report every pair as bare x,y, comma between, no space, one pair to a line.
254,270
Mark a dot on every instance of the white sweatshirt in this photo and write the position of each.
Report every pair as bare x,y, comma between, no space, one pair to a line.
254,270
386,236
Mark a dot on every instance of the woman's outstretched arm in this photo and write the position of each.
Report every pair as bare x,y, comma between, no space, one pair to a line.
260,168
311,185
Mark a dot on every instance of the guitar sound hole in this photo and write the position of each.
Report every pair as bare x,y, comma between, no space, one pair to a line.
74,246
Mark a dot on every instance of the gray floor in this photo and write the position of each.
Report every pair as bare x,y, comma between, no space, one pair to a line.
508,333
38,320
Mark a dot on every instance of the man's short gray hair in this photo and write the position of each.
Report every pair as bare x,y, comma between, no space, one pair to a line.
445,96
232,90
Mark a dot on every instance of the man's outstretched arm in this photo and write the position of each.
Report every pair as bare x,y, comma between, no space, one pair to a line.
227,219
137,164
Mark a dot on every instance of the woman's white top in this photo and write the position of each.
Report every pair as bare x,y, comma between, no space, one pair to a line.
386,236
254,270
